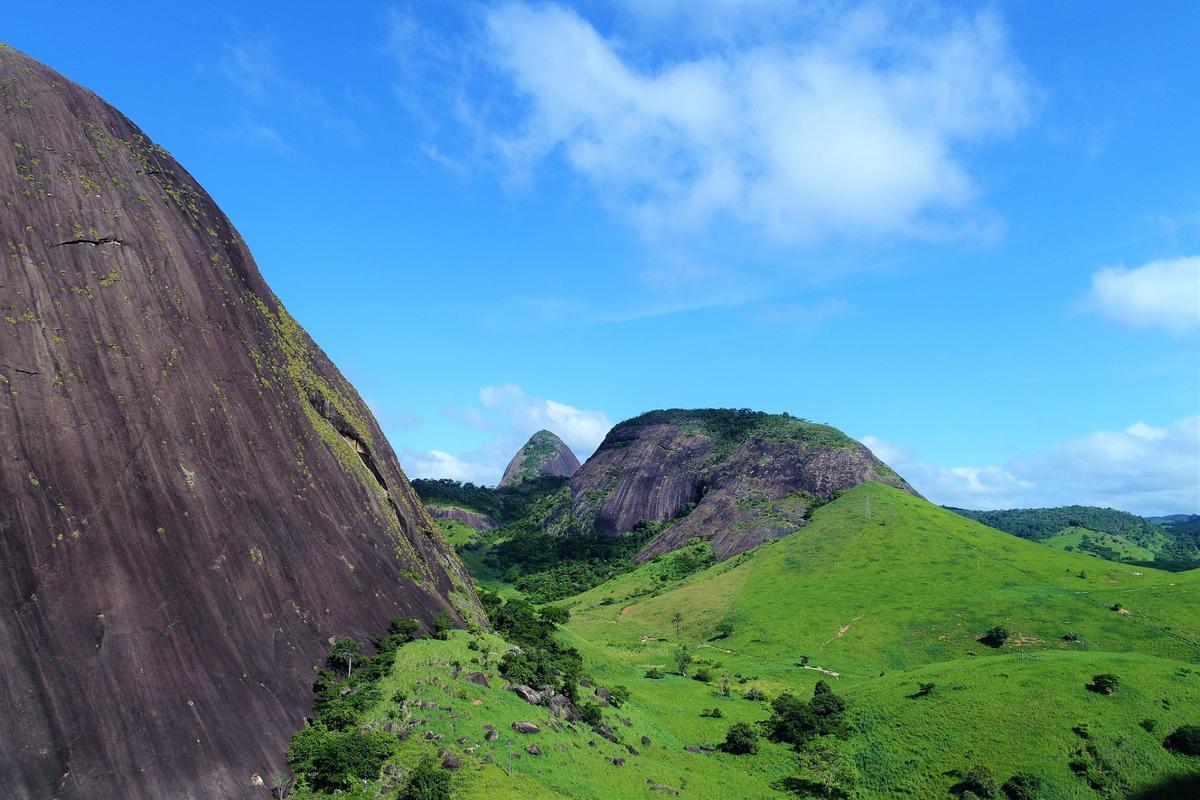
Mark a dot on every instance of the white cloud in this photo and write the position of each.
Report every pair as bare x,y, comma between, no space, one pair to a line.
854,129
440,464
1145,469
1161,294
511,416
581,429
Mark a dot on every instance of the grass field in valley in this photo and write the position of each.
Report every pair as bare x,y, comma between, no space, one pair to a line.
876,602
1126,549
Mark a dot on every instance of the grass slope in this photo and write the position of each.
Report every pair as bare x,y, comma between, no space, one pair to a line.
575,762
1126,549
900,597
877,604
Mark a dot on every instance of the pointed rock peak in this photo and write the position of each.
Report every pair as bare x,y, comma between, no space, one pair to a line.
543,454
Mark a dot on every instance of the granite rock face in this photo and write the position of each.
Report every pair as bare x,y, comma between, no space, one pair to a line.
543,454
193,499
736,478
475,519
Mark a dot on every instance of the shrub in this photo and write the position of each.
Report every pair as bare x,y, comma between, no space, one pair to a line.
702,675
1184,740
1106,684
980,780
711,712
428,781
1071,637
654,673
996,636
724,629
925,690
404,629
740,740
618,695
1148,725
590,714
754,693
441,623
1023,786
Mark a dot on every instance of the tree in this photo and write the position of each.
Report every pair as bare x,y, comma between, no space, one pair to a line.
740,740
442,623
677,620
344,652
827,766
725,685
1023,786
332,760
981,781
683,657
1106,684
996,636
795,721
1184,740
555,614
428,781
404,629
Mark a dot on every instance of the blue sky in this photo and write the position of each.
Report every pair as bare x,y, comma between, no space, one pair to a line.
968,234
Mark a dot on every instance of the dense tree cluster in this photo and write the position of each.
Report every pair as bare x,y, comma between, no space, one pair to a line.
332,754
541,660
502,505
796,721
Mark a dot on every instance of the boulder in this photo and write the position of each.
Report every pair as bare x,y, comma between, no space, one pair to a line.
527,694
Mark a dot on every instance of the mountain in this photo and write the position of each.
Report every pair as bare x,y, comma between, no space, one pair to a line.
193,498
735,477
544,454
1105,532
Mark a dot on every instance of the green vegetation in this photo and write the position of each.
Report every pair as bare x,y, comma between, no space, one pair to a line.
842,661
1104,532
1185,740
1104,545
729,427
893,604
504,504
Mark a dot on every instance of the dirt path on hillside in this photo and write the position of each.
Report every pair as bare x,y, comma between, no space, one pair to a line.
842,630
625,610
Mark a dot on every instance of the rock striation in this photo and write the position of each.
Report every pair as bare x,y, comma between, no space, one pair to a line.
193,499
543,454
734,477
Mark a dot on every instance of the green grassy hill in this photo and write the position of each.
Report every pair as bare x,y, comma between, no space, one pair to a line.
1085,540
880,594
1104,532
900,598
